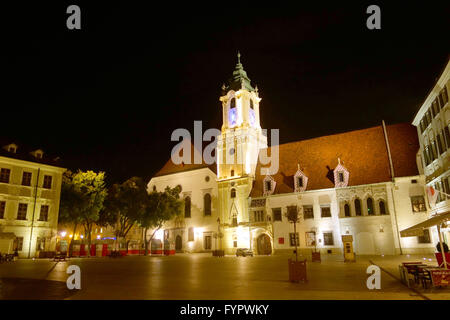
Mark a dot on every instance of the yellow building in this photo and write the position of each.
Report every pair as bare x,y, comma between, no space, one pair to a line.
30,189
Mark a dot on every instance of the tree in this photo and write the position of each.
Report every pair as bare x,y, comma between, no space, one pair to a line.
293,217
72,204
160,208
92,188
124,205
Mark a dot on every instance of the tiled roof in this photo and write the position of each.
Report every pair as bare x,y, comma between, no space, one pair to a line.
362,152
23,152
171,168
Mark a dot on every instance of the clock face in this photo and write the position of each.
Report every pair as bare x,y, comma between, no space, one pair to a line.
232,117
252,117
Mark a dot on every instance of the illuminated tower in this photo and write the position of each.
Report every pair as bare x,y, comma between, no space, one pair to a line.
237,154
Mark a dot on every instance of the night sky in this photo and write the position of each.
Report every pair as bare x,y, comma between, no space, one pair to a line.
107,97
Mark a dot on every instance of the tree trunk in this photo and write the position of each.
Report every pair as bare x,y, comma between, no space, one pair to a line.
145,242
71,240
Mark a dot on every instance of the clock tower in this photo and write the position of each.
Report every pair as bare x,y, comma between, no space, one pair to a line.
237,155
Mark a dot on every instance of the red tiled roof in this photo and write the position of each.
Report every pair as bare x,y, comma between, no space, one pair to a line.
171,168
362,152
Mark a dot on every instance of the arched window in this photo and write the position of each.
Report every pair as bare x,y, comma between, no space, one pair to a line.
357,207
382,207
251,104
347,210
233,193
233,103
207,204
187,207
370,210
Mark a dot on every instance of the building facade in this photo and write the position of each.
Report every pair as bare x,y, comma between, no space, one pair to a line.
365,183
433,122
30,188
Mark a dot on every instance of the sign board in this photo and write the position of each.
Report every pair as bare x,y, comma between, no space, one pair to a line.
440,277
347,238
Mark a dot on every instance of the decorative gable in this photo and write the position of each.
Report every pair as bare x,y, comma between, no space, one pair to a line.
300,180
269,185
341,175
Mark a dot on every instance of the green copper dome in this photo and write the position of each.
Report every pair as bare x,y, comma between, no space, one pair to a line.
239,80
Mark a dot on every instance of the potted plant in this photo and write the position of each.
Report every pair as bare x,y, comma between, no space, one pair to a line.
297,269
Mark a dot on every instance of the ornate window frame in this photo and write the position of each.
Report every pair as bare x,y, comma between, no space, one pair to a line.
273,184
340,169
297,175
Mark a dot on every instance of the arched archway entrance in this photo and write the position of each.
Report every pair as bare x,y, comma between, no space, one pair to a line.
264,244
178,243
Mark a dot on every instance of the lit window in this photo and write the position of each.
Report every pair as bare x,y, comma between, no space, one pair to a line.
418,204
328,238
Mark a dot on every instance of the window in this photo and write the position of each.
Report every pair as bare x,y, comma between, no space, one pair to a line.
43,216
19,242
251,104
26,178
259,215
235,244
328,239
300,182
207,204
47,182
4,175
22,211
268,185
191,234
439,144
276,212
446,186
207,242
357,207
2,209
234,221
370,210
447,136
308,212
444,95
12,149
341,176
232,173
425,238
293,239
233,193
347,210
382,207
187,207
40,244
233,103
418,204
425,158
325,212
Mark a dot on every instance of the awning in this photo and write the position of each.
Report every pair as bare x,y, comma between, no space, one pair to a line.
417,230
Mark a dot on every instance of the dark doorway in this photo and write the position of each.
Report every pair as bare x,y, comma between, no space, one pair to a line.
178,243
264,244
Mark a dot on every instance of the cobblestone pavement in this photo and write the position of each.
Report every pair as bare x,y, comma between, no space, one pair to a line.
202,277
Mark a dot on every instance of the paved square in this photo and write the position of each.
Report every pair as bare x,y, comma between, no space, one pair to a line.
202,277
